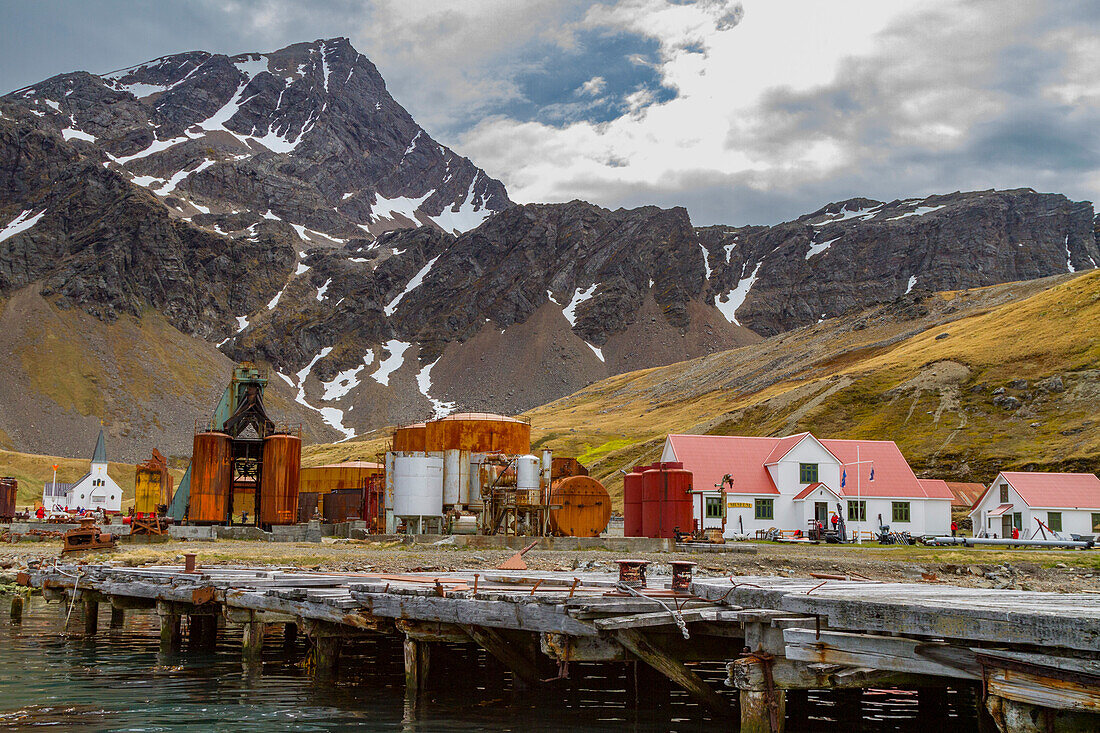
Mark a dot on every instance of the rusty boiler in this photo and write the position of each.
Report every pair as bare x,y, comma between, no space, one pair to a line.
282,462
579,507
211,478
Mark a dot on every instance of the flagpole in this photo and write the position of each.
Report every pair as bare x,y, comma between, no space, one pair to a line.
859,537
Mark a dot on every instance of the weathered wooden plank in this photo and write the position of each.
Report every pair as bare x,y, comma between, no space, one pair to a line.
895,654
637,644
500,614
663,618
1047,692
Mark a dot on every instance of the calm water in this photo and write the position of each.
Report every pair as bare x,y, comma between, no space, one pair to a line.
117,681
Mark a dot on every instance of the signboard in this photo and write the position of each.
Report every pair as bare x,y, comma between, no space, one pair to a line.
739,505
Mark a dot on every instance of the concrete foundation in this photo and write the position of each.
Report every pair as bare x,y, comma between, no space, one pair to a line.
190,532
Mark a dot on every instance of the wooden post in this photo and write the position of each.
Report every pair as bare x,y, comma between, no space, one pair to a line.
638,645
523,666
118,617
169,631
417,657
756,712
252,641
91,615
17,608
326,652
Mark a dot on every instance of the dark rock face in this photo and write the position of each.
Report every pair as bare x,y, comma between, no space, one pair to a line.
308,133
853,254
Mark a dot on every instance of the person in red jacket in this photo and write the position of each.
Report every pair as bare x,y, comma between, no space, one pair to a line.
1015,533
41,513
954,528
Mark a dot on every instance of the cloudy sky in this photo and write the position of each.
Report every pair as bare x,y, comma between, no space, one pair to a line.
744,112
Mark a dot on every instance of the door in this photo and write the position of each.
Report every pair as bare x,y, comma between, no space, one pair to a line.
1006,525
821,512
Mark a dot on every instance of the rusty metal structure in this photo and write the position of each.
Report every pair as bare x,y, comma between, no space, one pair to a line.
578,506
87,537
9,488
152,486
244,467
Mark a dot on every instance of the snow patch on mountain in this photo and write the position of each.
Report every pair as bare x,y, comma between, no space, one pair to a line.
735,298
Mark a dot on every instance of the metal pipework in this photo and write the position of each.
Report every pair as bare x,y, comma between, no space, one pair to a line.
1007,542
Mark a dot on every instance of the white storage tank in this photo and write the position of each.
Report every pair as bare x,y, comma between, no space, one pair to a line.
528,473
417,485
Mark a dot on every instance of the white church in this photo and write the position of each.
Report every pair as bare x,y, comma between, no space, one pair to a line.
94,490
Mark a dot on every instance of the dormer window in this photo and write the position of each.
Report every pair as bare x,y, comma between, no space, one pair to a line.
807,473
1004,493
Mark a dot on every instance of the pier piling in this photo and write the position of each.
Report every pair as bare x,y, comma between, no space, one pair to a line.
252,640
169,628
91,615
17,609
118,617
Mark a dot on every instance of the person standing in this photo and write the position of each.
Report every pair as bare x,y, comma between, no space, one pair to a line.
954,527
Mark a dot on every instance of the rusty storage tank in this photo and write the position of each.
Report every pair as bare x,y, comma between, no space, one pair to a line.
409,438
652,483
9,488
632,503
282,462
583,507
676,500
211,477
333,476
478,432
342,505
147,490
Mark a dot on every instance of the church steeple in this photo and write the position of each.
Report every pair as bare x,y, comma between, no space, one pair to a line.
100,454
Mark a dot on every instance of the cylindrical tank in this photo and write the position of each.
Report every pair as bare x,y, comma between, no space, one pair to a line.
341,505
528,474
452,492
585,507
417,485
465,524
279,475
211,477
147,490
409,438
652,482
676,504
632,503
478,433
9,488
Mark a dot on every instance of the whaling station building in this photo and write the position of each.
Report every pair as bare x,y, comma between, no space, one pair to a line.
787,482
1068,503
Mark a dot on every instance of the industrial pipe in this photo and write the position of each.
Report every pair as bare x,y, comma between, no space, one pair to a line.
1008,542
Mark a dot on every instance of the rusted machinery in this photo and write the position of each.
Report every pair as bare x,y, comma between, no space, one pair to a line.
9,488
244,468
152,492
87,537
579,506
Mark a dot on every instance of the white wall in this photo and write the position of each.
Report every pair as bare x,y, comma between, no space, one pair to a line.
89,496
787,471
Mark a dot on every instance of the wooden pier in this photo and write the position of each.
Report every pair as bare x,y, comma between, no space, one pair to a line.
1033,657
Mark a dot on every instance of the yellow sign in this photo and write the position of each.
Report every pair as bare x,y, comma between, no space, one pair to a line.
739,505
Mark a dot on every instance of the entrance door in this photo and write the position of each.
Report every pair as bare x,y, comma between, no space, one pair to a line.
1006,525
821,512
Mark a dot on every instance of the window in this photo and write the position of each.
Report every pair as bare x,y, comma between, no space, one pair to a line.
1004,493
857,511
765,508
807,473
1054,521
1018,520
1095,522
714,507
899,511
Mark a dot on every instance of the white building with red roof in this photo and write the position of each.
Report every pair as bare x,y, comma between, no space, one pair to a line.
1068,503
787,482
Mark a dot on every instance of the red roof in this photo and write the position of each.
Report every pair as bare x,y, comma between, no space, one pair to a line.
893,477
1000,510
937,489
710,457
812,488
1077,490
965,494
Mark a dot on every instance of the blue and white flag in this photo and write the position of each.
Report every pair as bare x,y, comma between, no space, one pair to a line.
843,478
872,472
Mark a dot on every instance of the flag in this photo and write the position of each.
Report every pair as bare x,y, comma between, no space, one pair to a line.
872,472
843,478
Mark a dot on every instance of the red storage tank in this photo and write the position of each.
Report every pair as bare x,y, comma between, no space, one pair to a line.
652,485
676,505
632,503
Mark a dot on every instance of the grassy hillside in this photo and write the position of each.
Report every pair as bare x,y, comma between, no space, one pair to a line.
974,381
32,471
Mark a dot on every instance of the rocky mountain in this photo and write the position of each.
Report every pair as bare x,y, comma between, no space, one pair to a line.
284,208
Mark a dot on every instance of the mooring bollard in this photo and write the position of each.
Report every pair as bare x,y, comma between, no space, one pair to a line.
17,609
189,564
681,575
632,573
